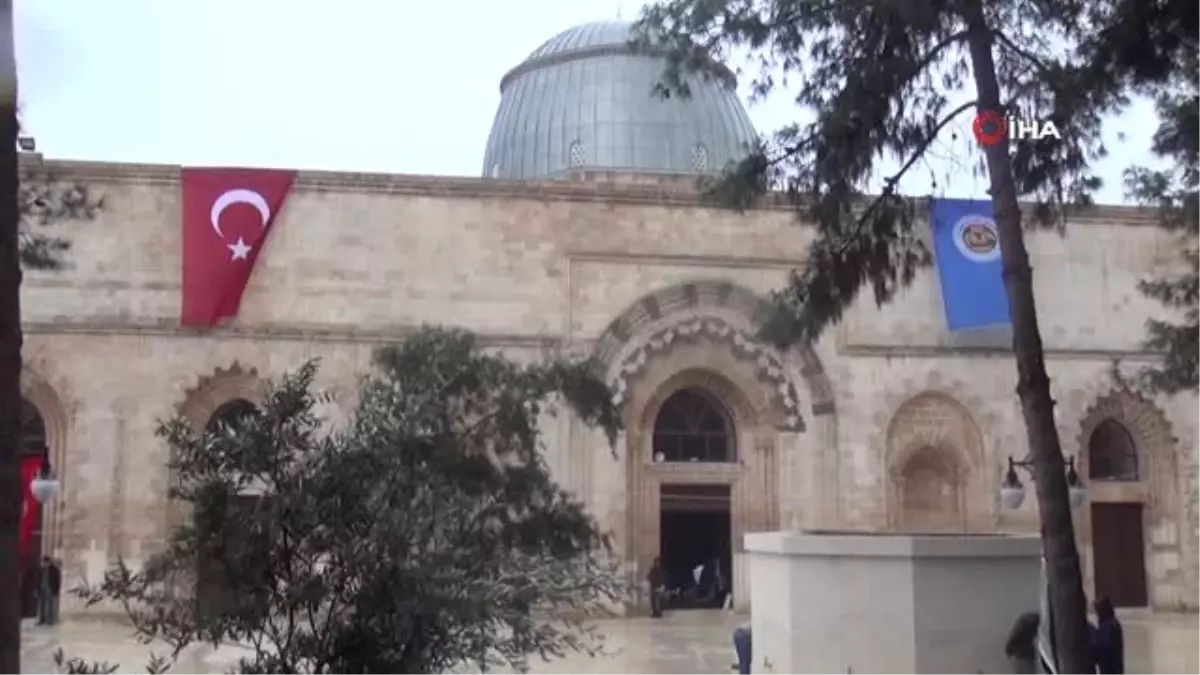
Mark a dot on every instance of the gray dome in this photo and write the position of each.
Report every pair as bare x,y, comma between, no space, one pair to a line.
584,101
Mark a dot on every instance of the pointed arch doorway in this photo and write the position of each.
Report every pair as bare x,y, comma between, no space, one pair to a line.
34,451
214,593
1118,536
695,519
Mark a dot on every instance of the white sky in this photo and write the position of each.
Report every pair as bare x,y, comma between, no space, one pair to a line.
396,86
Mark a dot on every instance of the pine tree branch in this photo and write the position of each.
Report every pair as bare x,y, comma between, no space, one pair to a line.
1028,56
893,181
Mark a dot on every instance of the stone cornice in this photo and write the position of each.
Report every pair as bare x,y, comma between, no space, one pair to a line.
301,332
942,351
681,192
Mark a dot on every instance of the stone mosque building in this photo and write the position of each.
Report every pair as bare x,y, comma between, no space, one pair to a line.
585,233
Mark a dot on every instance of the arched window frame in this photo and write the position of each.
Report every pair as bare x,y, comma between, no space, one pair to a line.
576,154
700,157
692,426
228,413
1112,453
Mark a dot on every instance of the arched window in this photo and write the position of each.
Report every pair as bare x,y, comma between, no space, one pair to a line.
576,154
700,157
230,414
1112,454
693,427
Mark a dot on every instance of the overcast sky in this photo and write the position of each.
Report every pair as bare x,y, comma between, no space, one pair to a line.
396,86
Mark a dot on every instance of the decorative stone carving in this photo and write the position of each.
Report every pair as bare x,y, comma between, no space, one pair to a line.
768,367
710,298
935,432
1150,427
1170,518
211,391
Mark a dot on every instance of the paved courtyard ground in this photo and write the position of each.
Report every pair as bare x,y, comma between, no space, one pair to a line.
682,642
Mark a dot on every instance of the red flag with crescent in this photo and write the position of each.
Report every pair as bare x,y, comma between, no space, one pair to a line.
31,510
227,214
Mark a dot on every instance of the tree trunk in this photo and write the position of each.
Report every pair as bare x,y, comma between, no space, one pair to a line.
1067,602
11,493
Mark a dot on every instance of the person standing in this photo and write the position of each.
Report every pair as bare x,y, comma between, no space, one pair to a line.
1108,640
50,583
1021,648
655,578
742,647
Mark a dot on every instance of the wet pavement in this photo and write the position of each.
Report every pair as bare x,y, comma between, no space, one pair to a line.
682,642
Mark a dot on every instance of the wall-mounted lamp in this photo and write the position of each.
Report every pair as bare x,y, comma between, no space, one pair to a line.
1012,492
45,486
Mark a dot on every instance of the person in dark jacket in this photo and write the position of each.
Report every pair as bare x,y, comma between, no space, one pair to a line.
50,583
1108,640
655,577
1021,647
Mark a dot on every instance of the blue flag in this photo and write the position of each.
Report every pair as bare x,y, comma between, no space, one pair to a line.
966,247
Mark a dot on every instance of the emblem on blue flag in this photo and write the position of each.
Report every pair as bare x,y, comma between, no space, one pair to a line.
966,247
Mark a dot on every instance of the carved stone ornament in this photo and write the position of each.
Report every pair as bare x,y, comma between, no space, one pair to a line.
767,366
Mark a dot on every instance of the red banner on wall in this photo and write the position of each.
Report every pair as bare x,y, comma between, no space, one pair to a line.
31,510
227,214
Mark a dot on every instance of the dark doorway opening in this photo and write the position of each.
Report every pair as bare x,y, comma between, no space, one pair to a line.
1119,553
32,442
695,546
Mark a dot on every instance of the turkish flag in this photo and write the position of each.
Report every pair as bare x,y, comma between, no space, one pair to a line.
227,214
31,509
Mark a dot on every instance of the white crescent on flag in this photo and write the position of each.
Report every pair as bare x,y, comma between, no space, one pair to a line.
238,196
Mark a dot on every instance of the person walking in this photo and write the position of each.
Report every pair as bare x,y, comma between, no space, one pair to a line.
1021,648
50,583
655,578
1108,640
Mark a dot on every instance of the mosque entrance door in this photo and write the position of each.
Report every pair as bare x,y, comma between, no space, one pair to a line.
695,545
1118,549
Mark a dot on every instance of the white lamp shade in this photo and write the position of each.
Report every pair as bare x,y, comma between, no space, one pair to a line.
1012,497
44,489
1077,496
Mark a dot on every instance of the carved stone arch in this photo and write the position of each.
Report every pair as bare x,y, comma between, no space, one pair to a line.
709,309
41,395
935,435
1157,488
701,334
213,391
204,399
1151,432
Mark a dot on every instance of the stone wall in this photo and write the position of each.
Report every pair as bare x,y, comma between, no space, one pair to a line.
600,267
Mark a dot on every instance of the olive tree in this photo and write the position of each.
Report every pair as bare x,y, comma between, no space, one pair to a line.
423,535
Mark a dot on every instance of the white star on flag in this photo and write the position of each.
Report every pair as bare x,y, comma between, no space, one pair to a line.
239,249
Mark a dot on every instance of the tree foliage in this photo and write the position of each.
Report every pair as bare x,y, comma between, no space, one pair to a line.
885,81
1151,47
44,200
427,534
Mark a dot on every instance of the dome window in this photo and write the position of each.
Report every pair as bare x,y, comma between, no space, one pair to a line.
576,156
700,157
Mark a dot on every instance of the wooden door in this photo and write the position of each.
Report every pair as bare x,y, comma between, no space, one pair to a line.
1119,553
